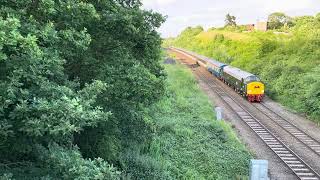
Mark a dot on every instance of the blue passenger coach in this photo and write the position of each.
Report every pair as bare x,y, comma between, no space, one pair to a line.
215,67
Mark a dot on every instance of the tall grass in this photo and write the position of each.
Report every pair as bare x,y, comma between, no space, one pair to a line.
189,141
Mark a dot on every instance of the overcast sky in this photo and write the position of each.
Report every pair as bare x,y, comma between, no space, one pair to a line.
211,13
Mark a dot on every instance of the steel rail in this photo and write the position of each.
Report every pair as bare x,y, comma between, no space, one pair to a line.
305,138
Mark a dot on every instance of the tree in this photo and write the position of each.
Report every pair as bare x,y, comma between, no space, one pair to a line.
73,68
230,20
318,16
278,20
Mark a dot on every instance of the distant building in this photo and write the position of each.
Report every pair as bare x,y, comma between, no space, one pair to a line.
250,27
261,26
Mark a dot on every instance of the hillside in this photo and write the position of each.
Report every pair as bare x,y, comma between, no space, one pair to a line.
289,63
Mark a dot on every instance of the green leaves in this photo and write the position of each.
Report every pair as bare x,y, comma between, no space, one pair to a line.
67,163
73,69
230,20
278,20
60,117
8,34
76,72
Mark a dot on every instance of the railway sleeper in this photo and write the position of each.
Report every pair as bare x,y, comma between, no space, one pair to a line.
282,152
257,128
305,174
296,165
301,169
286,155
294,162
274,143
264,133
302,135
251,122
277,147
315,145
310,178
298,133
285,159
261,133
309,140
266,136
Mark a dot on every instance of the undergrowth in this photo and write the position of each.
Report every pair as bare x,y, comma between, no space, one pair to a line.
189,142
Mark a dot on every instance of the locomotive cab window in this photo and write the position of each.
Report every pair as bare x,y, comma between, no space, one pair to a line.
252,78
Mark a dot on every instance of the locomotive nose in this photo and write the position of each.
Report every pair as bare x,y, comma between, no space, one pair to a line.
255,88
255,91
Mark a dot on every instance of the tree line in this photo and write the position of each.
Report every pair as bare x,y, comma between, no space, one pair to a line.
276,20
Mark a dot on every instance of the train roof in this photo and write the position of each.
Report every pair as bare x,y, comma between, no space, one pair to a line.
209,60
216,63
233,71
237,73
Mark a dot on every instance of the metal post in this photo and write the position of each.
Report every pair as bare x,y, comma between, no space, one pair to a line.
219,114
259,170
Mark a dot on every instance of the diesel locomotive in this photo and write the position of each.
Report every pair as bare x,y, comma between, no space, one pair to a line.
245,83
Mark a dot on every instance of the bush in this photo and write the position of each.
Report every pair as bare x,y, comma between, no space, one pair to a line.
75,74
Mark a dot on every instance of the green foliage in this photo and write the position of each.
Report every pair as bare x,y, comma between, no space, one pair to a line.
287,63
144,166
278,20
75,73
230,20
68,163
6,177
219,38
189,142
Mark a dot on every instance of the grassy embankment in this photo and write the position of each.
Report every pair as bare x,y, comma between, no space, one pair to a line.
289,63
189,142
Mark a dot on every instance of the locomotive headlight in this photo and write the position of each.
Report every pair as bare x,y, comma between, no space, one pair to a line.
250,91
262,91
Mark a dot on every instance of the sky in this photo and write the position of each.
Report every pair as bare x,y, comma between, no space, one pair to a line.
211,13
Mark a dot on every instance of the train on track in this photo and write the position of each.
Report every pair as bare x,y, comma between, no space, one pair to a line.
245,83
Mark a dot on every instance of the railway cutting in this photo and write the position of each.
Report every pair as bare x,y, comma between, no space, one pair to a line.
292,159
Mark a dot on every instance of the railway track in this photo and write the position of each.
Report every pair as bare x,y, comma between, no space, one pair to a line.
299,167
306,139
295,131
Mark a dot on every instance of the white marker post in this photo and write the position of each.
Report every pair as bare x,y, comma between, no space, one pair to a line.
259,170
219,114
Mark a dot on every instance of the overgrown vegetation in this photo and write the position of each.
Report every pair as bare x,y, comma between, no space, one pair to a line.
288,62
75,79
189,142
